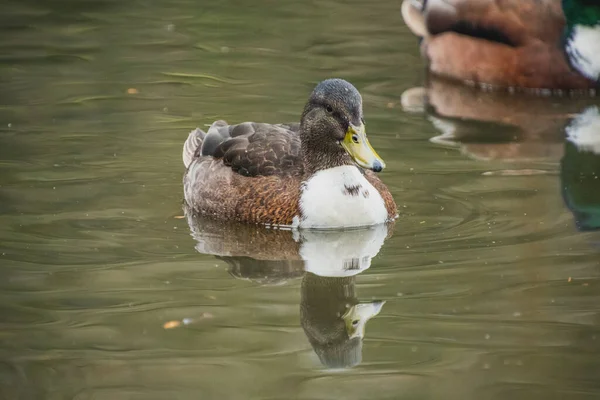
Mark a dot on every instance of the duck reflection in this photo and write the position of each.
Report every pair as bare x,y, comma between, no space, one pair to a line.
580,169
331,314
334,319
499,126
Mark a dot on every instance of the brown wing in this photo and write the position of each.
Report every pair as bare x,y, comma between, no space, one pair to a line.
255,149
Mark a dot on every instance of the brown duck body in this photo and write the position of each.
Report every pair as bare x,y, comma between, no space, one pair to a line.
252,173
505,43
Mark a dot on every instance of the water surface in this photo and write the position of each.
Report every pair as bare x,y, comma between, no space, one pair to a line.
486,286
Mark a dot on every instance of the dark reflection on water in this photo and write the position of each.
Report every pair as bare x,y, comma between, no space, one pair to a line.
334,320
490,279
332,317
501,126
531,139
580,171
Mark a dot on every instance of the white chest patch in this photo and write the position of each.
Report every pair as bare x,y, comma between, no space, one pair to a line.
340,197
583,49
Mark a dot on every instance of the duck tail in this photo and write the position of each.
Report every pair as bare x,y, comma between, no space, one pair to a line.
204,143
192,143
412,13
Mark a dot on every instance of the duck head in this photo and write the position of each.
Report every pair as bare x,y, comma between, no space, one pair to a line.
332,129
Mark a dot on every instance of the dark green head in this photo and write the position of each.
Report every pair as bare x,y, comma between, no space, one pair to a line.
332,128
581,12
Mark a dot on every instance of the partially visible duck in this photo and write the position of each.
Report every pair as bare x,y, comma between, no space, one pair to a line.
316,174
539,44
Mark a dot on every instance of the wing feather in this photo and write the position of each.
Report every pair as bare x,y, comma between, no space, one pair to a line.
254,149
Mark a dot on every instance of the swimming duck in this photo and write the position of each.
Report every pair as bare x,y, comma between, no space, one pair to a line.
319,173
510,43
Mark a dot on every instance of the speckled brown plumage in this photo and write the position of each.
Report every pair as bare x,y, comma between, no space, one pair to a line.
268,200
225,194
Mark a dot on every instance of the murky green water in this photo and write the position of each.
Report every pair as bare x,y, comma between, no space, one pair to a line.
488,285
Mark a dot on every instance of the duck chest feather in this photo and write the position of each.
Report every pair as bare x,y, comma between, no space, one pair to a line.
340,197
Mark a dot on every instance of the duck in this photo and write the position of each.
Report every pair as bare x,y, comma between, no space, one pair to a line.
547,46
320,173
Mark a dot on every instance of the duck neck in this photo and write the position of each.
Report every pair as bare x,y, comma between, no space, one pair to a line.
582,36
319,155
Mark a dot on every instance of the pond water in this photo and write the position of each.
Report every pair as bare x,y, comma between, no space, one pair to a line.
487,286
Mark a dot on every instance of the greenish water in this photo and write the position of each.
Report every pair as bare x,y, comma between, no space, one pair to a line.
490,277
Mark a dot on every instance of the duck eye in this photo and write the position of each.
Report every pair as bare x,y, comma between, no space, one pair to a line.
355,138
355,322
329,109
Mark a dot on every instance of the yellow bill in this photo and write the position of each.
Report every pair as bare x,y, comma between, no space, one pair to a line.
357,145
